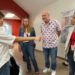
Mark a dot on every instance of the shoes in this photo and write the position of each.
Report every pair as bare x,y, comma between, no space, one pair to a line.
53,72
37,73
28,71
46,70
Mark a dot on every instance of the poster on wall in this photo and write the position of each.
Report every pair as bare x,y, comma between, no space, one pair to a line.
66,23
66,17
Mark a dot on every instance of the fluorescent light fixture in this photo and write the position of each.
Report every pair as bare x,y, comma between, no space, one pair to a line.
9,15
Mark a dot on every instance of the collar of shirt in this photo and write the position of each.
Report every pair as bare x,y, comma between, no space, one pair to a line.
48,23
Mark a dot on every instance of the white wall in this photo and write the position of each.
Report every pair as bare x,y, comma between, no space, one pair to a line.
55,10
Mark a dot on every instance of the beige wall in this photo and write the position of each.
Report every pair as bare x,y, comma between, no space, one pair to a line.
55,10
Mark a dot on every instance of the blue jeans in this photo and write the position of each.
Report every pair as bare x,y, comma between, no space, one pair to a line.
53,53
71,63
5,69
28,51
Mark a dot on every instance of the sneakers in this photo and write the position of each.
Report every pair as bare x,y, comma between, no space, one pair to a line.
37,73
28,71
53,72
65,63
46,70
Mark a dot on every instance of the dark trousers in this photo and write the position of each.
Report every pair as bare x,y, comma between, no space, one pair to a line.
28,51
14,69
71,63
5,70
53,53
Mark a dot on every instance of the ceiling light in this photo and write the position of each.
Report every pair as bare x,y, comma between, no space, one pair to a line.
9,15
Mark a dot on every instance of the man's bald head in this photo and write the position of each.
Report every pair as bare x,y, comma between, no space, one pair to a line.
45,12
45,16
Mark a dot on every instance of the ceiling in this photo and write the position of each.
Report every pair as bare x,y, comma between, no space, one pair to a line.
11,6
6,12
33,6
23,8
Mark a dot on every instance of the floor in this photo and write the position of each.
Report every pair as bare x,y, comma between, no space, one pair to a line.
61,69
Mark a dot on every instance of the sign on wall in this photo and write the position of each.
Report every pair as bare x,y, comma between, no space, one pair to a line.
66,17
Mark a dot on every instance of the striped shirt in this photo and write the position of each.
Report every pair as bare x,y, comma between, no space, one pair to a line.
5,40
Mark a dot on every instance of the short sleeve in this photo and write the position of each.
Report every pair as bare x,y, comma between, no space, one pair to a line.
41,28
6,39
58,26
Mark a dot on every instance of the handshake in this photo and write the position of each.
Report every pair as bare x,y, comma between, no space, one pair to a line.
38,38
20,39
